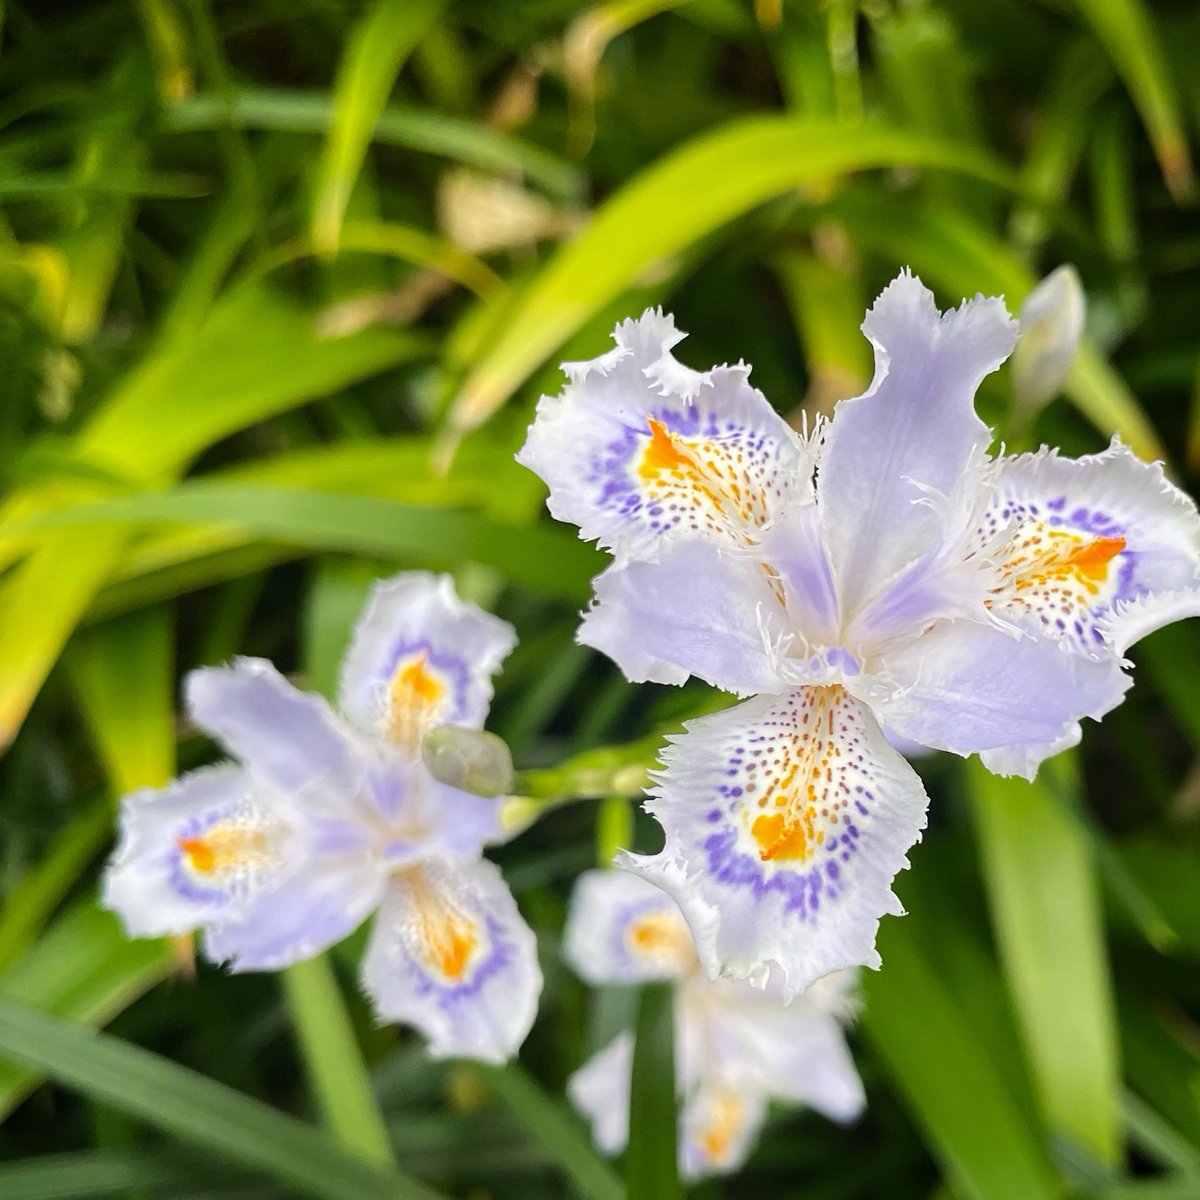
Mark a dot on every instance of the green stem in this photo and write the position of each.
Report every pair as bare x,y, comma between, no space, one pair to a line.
335,1066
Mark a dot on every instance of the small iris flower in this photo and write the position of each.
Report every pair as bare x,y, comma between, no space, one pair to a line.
880,572
735,1048
326,818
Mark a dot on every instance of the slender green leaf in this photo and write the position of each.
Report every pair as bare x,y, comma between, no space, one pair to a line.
29,905
122,672
543,557
652,1156
671,206
334,1060
376,49
258,354
1045,906
82,968
949,1076
90,1174
193,1108
410,128
1126,30
556,1130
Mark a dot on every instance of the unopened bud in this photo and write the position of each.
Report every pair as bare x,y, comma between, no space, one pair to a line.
471,760
1051,328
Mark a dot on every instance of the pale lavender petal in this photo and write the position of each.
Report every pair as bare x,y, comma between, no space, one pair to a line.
421,657
786,820
718,1127
291,740
639,448
697,611
756,1043
621,929
324,901
967,688
424,816
914,431
196,851
1095,552
600,1091
451,955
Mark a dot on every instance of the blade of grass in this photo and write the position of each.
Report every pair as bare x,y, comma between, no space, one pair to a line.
671,206
90,1174
378,44
334,1060
82,968
1045,904
1127,32
123,675
555,1129
407,127
542,557
194,1109
652,1155
946,1073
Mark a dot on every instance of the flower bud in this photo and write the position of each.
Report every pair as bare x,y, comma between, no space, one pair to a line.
1051,328
471,760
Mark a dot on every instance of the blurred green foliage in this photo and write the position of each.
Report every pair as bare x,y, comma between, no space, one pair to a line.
279,285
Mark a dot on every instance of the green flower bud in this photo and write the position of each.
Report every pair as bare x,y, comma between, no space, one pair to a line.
471,760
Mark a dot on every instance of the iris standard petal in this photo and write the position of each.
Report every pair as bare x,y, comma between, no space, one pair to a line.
622,929
786,820
290,739
451,955
698,611
196,851
914,431
600,1091
324,900
421,657
639,448
718,1127
796,1051
967,687
1094,552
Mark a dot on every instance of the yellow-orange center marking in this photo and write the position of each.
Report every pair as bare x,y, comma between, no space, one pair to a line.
222,848
414,698
788,831
662,935
717,1139
448,937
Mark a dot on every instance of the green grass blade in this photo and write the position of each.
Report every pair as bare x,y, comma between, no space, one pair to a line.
376,49
123,675
407,127
947,1074
257,355
1045,905
543,557
1126,30
556,1130
82,968
334,1060
194,1109
668,208
29,905
91,1174
41,602
652,1156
